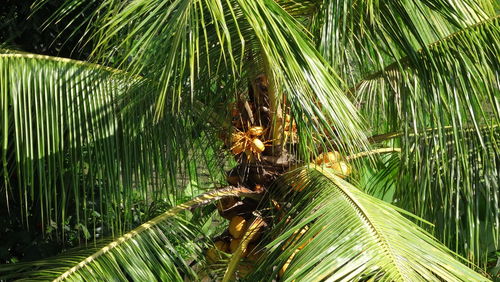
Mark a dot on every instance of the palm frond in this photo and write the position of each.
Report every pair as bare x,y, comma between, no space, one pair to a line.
303,76
160,249
457,177
189,45
380,181
457,185
455,93
79,138
359,37
353,236
467,67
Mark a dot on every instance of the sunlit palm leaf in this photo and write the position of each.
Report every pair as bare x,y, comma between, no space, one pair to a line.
457,95
158,250
190,45
353,236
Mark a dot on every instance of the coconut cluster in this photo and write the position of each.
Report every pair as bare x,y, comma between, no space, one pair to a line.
329,160
248,142
226,245
252,129
334,161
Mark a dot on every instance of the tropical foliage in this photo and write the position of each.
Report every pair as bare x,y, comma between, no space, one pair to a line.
131,147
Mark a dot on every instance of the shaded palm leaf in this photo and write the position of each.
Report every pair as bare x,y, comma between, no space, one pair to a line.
457,188
78,138
473,51
359,37
455,92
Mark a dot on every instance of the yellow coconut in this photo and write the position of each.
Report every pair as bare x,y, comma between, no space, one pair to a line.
256,130
258,146
237,226
213,254
328,158
342,169
237,136
238,148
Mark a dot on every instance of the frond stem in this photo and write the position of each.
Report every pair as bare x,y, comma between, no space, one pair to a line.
373,152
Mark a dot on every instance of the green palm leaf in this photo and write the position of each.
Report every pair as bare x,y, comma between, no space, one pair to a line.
359,37
457,96
353,236
446,80
458,188
230,41
79,138
158,250
441,83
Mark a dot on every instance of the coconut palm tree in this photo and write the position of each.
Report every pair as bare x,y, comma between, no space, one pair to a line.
336,137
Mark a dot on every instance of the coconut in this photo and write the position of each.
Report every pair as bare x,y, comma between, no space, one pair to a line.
238,148
328,158
258,146
256,130
237,136
342,169
237,226
213,254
